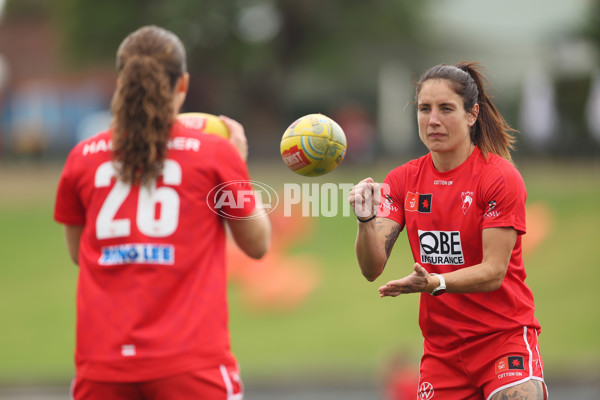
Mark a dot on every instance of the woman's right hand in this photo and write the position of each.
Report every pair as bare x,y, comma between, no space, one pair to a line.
365,198
237,136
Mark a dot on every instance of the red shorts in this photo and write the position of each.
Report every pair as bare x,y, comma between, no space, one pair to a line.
222,383
479,368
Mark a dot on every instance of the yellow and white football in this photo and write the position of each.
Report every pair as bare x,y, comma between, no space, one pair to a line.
203,122
313,145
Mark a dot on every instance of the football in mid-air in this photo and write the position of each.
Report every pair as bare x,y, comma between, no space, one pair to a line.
313,145
206,123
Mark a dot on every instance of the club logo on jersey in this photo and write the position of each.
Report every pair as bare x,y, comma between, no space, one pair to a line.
510,366
425,391
491,210
137,253
418,202
441,248
467,200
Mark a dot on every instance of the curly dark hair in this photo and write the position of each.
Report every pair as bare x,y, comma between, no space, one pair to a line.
149,63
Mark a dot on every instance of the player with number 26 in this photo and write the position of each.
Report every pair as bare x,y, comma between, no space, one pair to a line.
152,316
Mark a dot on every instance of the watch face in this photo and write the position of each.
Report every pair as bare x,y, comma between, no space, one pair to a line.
437,292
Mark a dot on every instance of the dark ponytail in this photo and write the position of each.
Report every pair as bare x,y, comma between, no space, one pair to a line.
149,62
491,133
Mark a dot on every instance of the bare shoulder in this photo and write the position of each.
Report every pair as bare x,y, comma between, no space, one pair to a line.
530,390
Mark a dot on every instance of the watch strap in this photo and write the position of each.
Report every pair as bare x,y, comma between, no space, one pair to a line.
441,289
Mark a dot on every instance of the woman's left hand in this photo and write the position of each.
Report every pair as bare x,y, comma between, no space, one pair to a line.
416,282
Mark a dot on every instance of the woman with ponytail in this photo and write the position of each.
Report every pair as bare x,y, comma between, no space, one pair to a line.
463,208
149,240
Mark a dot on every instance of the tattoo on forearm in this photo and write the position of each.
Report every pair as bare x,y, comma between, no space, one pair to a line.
531,390
390,239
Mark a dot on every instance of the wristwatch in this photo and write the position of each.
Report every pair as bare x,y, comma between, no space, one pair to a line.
441,289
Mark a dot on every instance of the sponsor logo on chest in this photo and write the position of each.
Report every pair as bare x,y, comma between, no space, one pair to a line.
441,247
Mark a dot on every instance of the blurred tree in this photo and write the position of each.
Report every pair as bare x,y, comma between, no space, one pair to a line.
308,31
92,30
591,29
576,91
28,8
245,56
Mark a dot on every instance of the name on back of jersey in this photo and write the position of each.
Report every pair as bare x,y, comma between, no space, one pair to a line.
441,248
176,143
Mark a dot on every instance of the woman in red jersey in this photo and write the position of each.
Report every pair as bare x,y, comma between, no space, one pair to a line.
150,240
463,208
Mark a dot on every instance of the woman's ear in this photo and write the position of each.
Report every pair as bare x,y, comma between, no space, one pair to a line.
181,89
472,117
183,83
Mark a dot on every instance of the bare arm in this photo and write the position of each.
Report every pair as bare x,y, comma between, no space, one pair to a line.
487,276
376,237
73,236
252,235
374,242
498,244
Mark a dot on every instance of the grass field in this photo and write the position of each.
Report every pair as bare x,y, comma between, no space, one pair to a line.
341,328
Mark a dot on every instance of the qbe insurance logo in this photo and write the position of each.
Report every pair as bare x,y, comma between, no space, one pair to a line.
441,248
308,199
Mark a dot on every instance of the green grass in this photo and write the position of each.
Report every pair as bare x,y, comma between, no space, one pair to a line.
343,327
563,271
37,285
